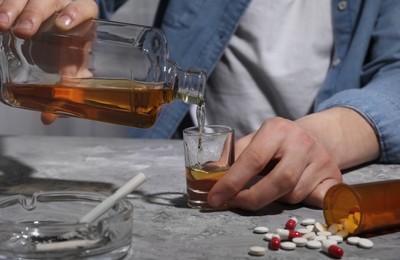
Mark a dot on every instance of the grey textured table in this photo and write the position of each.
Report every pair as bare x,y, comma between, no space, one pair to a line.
164,228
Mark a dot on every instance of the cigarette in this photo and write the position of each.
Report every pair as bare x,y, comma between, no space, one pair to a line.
113,199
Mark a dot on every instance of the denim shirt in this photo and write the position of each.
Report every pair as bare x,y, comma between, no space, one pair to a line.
365,70
108,7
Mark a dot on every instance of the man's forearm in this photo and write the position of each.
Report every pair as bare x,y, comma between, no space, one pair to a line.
345,134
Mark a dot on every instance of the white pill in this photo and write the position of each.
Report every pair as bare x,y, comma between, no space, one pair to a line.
324,233
337,238
300,241
257,250
269,236
310,236
327,243
303,230
353,240
310,227
287,245
308,221
320,238
334,228
365,243
318,227
314,244
261,230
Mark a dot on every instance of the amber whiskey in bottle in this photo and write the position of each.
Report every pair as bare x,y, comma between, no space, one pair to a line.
100,70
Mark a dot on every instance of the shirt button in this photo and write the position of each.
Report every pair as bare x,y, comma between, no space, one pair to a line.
342,5
336,62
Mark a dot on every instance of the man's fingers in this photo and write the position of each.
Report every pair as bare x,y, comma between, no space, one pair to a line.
314,174
279,181
34,13
27,16
252,160
316,197
9,11
75,13
242,143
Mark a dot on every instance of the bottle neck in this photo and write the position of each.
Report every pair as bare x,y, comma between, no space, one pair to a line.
188,84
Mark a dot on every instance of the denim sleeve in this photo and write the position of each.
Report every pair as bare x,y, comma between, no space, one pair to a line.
378,98
108,7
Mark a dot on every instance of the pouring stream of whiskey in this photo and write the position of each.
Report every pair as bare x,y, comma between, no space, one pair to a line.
200,114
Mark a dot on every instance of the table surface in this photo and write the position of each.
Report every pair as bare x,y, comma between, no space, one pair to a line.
164,227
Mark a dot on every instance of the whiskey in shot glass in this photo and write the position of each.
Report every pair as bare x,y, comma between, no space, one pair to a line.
209,152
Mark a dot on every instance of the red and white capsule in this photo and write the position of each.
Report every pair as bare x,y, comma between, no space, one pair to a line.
293,234
291,223
286,234
282,233
275,243
333,251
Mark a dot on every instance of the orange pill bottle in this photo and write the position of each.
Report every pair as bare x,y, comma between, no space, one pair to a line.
363,207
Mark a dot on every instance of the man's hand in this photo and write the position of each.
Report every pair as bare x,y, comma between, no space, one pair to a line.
307,154
25,16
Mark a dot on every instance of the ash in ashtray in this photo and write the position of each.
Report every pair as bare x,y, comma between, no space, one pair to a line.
52,239
66,241
57,243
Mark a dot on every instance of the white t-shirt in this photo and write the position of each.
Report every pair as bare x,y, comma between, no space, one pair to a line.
273,65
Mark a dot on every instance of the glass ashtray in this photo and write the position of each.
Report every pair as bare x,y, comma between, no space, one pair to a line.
46,226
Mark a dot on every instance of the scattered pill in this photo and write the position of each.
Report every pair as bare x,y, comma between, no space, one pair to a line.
287,245
257,250
334,228
350,223
314,235
356,217
334,251
310,236
365,243
300,241
269,236
261,230
303,230
308,221
310,227
320,238
275,243
314,244
328,242
291,224
337,238
318,227
324,233
352,240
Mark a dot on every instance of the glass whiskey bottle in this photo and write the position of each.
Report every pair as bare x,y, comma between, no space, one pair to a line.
101,70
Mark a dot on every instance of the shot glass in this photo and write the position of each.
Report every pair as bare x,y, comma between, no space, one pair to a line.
208,155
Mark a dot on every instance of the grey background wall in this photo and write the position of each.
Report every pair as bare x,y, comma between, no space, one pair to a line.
23,122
